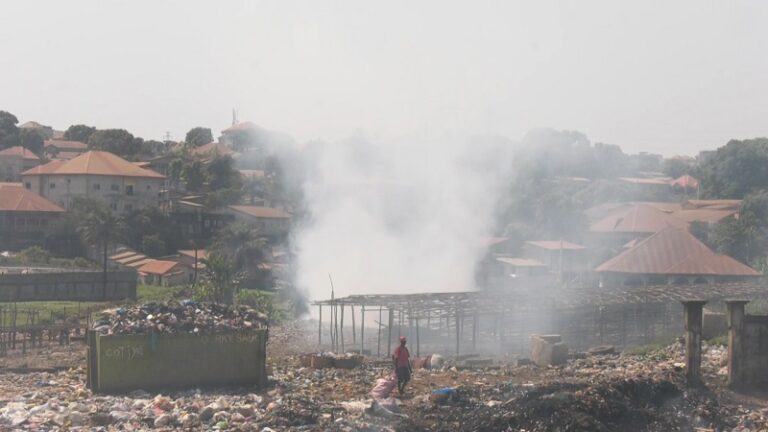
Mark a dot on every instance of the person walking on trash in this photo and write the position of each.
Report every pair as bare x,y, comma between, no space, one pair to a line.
402,361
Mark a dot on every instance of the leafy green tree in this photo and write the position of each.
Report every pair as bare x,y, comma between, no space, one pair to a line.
9,133
153,232
735,170
117,141
241,244
31,140
222,174
100,229
153,245
175,169
194,176
675,167
198,136
221,277
79,132
35,255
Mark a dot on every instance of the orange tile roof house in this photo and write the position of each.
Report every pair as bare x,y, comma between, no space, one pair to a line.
103,176
638,221
269,221
14,161
672,256
26,218
211,150
63,149
164,273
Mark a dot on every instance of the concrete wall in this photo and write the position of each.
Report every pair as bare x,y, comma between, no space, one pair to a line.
747,346
121,363
67,286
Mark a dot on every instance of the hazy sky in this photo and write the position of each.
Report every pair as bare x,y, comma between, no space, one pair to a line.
668,77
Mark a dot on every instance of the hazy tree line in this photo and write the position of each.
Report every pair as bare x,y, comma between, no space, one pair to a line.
557,175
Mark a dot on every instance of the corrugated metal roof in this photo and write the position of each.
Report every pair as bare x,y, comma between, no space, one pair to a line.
714,204
261,212
201,253
640,218
520,262
674,251
555,245
95,163
703,215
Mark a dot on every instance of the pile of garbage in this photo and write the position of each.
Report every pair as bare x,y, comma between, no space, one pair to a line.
173,316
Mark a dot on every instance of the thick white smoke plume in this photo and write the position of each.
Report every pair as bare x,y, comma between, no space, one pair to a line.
401,216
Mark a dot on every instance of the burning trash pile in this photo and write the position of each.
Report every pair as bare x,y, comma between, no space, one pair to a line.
178,317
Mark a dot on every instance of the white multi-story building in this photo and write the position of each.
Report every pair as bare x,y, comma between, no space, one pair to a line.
112,180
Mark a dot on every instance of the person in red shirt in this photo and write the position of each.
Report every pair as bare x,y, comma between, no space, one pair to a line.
402,361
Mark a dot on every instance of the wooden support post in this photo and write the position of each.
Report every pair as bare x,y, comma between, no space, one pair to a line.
693,316
354,327
458,330
320,325
735,342
342,327
418,353
333,338
378,335
389,330
362,328
475,321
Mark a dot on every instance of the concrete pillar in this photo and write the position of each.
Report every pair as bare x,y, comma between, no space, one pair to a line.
693,311
735,342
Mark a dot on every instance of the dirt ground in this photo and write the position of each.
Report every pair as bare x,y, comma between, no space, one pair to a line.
603,393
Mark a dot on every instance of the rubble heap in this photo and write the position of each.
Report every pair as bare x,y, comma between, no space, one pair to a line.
178,317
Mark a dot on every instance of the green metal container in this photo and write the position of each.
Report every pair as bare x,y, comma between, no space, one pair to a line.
122,363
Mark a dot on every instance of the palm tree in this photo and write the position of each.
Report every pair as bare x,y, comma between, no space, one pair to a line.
100,228
242,244
222,276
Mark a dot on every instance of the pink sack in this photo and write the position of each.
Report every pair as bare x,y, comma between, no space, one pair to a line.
383,387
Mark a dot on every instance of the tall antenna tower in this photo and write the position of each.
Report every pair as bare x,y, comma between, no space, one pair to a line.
234,116
167,136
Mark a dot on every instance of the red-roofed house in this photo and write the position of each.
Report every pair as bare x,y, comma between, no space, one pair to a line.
26,218
63,149
164,273
14,161
638,221
269,221
211,150
672,256
110,179
684,183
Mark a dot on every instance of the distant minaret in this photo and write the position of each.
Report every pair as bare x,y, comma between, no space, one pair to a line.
234,117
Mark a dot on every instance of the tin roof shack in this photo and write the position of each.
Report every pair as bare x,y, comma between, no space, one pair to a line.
568,260
507,272
26,219
672,256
